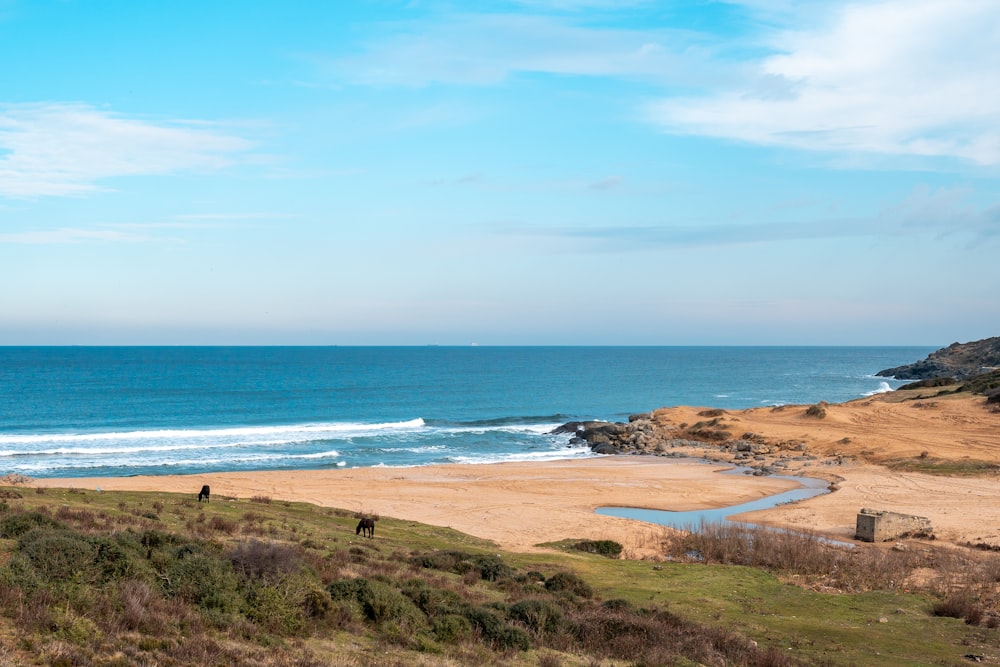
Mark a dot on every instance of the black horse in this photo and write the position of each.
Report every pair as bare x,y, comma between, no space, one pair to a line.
204,494
366,525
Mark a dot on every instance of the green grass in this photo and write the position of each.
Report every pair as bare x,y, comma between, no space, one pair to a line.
950,467
891,627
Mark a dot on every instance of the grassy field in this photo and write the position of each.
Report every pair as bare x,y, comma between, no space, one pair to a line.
116,578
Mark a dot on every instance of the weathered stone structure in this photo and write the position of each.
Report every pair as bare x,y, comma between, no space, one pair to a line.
881,526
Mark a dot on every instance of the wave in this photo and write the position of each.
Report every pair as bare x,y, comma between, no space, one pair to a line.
338,429
511,457
531,420
295,446
255,460
883,388
155,440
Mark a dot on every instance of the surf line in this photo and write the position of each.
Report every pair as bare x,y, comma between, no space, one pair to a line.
691,520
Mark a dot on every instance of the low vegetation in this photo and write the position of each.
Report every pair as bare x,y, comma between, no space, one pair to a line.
108,578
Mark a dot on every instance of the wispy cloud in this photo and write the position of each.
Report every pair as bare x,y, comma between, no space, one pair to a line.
938,213
169,231
71,235
896,77
578,5
56,149
486,49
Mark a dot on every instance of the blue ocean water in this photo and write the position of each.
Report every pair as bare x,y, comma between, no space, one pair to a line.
116,411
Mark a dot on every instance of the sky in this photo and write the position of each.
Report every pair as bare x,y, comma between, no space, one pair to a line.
519,172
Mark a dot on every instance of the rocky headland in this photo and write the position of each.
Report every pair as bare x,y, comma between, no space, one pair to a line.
959,361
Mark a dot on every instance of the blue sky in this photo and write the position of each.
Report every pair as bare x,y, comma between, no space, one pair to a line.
509,172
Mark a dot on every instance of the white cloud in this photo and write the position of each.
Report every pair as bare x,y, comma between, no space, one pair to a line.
897,77
58,149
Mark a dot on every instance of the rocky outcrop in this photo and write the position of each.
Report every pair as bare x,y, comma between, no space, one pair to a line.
959,361
710,439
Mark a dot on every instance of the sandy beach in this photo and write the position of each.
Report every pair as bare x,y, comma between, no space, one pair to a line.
520,505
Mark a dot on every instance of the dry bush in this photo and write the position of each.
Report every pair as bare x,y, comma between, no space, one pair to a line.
818,411
82,518
945,573
15,479
958,605
659,637
261,500
217,523
254,560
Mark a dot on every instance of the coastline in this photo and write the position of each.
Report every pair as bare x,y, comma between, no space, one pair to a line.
517,505
863,446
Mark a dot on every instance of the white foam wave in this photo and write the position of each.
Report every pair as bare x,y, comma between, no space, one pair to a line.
332,454
513,457
883,388
530,429
170,462
283,433
139,449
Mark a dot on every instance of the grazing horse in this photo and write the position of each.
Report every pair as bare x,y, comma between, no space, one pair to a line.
204,494
366,525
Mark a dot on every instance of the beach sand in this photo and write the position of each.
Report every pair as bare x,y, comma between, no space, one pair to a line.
520,505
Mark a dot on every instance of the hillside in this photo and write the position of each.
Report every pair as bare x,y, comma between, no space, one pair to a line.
123,578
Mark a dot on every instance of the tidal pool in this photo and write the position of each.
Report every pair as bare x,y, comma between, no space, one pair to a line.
690,520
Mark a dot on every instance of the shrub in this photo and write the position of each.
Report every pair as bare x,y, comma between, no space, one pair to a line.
347,589
222,525
495,631
279,609
121,556
265,561
19,524
14,479
135,599
958,605
617,604
818,411
433,601
317,603
488,567
57,554
451,628
18,573
539,616
202,579
382,603
447,561
608,548
491,568
570,583
156,539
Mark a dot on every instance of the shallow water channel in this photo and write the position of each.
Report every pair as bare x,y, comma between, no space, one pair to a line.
690,520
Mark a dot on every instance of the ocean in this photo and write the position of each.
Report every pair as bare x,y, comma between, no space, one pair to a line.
119,411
